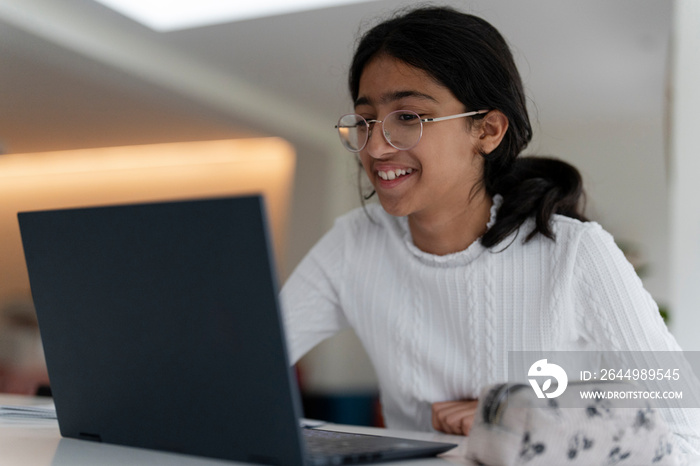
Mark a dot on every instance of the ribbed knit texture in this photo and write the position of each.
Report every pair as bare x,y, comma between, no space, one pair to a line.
439,328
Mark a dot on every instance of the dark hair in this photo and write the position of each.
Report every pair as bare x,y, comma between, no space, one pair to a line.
472,59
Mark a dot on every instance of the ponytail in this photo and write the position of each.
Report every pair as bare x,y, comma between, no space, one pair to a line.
535,187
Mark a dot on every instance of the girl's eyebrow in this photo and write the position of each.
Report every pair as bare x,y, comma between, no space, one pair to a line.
394,96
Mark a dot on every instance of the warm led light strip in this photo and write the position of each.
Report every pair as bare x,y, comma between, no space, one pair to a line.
141,157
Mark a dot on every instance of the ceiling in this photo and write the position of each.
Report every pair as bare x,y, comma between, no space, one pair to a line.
74,74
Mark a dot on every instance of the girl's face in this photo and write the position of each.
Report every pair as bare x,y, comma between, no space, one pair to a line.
436,176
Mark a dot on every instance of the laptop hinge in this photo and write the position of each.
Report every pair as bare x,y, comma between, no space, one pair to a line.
264,459
92,437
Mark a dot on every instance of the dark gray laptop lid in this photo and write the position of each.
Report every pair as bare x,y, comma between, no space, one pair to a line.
161,328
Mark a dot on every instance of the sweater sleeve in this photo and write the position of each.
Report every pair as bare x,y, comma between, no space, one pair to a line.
618,314
310,297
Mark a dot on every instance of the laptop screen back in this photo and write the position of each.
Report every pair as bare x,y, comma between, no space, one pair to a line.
161,327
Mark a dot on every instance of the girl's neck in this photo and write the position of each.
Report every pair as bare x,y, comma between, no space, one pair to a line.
447,232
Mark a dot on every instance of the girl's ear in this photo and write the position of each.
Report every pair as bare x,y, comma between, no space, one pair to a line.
493,127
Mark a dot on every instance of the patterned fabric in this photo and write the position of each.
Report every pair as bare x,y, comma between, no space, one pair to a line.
515,428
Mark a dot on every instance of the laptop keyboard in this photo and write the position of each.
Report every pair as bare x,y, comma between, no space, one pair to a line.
327,447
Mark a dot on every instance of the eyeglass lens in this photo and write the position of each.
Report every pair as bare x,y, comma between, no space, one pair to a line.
402,129
353,131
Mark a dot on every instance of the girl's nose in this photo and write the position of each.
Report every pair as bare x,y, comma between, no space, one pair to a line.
378,143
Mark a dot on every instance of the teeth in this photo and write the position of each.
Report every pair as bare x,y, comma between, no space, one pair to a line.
393,174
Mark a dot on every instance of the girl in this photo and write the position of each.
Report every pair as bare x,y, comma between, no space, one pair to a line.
472,250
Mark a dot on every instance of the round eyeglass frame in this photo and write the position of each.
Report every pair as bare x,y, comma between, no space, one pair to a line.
387,136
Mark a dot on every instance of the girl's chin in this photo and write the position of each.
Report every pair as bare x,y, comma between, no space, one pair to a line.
393,208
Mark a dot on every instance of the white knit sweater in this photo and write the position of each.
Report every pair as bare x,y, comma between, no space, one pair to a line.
439,328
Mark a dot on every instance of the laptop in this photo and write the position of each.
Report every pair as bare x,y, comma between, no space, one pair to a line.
162,330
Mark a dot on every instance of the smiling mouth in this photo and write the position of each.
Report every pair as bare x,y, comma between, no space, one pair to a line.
393,174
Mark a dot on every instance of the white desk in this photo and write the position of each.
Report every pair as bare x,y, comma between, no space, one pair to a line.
39,443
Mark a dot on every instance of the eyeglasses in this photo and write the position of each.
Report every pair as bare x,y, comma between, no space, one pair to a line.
402,129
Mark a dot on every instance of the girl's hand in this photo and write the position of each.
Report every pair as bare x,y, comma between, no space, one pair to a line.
454,417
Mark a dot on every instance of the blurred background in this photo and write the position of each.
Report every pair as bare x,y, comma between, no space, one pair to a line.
99,106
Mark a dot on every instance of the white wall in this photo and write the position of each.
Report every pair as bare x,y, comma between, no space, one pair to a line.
685,175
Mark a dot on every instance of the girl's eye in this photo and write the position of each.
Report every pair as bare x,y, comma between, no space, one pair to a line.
404,119
406,116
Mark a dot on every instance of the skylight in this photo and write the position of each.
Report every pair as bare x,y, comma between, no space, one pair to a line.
171,15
